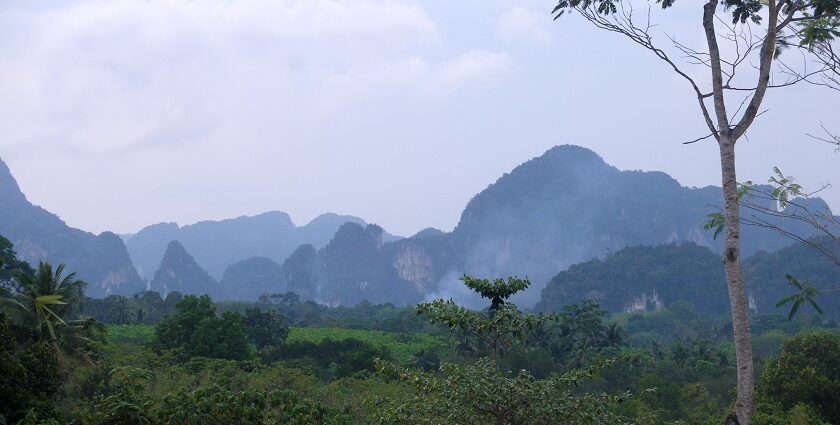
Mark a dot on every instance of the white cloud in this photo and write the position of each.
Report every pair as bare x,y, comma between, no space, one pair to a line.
185,110
110,75
520,23
382,78
470,67
416,76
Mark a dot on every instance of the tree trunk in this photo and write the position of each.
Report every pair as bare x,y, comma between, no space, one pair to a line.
734,283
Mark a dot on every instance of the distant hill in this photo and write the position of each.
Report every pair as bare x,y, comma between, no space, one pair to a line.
644,278
764,276
564,207
248,279
568,206
219,244
101,260
353,266
178,271
641,278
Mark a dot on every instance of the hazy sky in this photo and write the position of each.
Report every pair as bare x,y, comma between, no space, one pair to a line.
120,114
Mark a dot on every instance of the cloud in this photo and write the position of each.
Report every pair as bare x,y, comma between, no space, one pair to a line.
469,67
106,76
520,23
186,110
417,76
450,287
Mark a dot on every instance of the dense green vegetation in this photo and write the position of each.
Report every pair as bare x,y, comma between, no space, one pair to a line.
652,277
187,359
805,378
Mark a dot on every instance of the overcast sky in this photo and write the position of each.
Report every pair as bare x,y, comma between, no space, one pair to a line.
120,114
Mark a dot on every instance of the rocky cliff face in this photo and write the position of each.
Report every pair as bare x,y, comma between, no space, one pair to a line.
101,260
414,265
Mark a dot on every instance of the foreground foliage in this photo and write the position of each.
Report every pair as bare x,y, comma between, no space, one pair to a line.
44,309
806,376
480,393
194,330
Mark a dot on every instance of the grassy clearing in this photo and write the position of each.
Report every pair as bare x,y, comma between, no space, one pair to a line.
130,334
403,346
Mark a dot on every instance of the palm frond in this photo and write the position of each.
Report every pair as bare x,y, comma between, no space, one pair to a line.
815,305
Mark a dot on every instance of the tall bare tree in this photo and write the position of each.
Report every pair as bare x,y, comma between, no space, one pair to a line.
730,96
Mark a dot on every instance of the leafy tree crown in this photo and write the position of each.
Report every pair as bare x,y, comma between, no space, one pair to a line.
496,290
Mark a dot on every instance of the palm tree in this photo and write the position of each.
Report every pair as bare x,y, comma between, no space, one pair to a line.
42,305
656,350
122,311
140,315
680,353
723,358
704,350
614,334
806,293
426,360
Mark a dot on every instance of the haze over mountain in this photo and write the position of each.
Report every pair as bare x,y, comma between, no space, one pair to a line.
564,207
568,206
101,260
216,245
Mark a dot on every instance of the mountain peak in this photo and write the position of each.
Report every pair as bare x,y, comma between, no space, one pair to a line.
175,248
333,219
180,272
570,153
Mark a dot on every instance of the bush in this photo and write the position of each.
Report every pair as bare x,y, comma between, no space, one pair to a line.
265,328
343,358
29,380
194,330
807,373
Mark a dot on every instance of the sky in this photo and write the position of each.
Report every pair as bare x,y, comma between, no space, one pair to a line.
120,114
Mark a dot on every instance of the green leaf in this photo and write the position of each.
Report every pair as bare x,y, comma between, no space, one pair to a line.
716,221
786,300
815,305
49,299
794,308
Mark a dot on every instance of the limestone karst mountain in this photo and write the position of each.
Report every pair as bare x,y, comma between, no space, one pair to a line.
563,207
101,260
219,244
248,279
568,206
353,267
179,271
